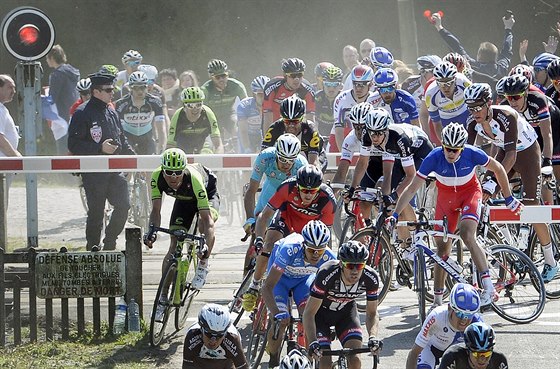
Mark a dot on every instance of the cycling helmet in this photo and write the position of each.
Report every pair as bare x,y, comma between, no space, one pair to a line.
173,159
83,85
378,119
316,234
353,252
293,65
214,319
386,77
131,55
427,62
138,79
295,360
217,67
463,297
478,94
522,69
457,60
257,85
321,67
109,69
542,60
192,94
454,135
150,70
381,57
553,69
445,70
362,73
359,112
292,107
288,146
309,176
479,336
516,84
333,74
500,86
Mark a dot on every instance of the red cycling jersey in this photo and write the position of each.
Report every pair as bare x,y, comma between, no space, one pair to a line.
275,91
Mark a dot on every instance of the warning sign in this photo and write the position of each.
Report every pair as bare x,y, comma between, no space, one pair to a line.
80,274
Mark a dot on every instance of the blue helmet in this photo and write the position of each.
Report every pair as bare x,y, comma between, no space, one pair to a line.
381,57
464,298
542,60
479,336
257,85
386,77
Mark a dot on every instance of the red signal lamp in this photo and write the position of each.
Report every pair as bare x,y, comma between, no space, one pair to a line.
28,34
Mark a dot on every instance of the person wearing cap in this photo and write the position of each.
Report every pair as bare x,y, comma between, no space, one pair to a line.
95,129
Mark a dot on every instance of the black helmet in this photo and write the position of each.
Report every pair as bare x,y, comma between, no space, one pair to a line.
553,69
478,94
353,252
217,67
293,65
479,336
309,176
516,84
292,107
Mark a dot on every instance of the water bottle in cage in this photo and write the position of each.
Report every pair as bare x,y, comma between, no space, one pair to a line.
523,237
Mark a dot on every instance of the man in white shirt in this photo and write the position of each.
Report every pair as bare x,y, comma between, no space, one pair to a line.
9,136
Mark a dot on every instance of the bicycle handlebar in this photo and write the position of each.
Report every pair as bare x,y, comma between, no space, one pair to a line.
351,351
182,235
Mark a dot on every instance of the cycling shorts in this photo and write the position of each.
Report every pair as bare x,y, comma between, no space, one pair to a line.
464,202
300,288
183,212
143,144
345,321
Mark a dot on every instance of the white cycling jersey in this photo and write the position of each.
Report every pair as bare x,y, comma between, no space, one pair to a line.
448,108
342,105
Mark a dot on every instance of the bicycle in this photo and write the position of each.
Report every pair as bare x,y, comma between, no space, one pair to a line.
343,353
259,334
354,219
175,291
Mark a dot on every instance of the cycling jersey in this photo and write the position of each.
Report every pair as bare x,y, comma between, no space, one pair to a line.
190,136
265,164
222,102
554,108
448,110
413,85
506,131
228,355
436,335
350,146
248,110
276,91
311,141
324,117
457,357
402,108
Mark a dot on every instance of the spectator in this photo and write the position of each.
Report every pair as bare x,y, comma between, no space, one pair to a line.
188,79
171,90
365,47
9,136
62,88
351,59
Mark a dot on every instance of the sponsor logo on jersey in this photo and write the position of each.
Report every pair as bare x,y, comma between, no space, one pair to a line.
426,329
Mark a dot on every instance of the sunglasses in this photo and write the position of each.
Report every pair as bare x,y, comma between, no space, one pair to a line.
331,84
446,83
478,354
292,122
386,90
360,84
314,251
109,90
172,173
452,149
310,191
462,315
353,266
139,88
294,75
376,133
424,71
133,63
193,105
221,76
358,127
213,335
515,97
475,109
537,69
85,93
283,160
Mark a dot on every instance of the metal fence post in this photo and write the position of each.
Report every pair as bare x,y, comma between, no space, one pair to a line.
133,251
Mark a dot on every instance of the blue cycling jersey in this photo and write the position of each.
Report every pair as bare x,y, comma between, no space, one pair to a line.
265,164
402,108
288,255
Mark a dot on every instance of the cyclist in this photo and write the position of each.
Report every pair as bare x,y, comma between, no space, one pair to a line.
141,115
540,65
131,61
444,326
478,351
332,303
291,267
379,57
296,202
222,95
213,342
553,92
319,69
249,117
276,164
282,87
195,191
295,360
459,199
444,99
193,123
292,121
324,99
515,142
84,89
398,102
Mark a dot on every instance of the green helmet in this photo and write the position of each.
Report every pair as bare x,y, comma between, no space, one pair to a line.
173,159
333,74
192,94
216,67
109,69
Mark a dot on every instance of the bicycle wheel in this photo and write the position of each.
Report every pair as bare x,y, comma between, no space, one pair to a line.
257,341
420,285
164,293
536,254
518,283
236,306
187,294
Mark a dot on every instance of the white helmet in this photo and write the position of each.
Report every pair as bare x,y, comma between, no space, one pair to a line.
359,112
131,55
138,78
288,146
295,360
445,70
378,119
454,135
150,70
83,85
214,319
316,234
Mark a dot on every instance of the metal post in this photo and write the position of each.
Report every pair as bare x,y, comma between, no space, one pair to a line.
407,31
3,212
133,245
28,86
